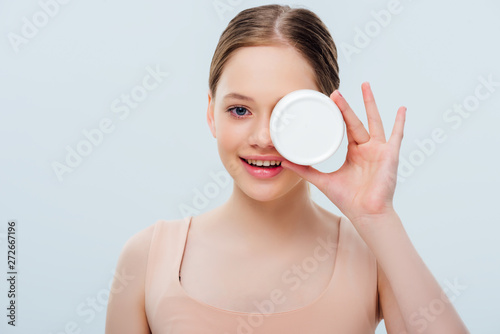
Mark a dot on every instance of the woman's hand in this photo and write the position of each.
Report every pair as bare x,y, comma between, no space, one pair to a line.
364,186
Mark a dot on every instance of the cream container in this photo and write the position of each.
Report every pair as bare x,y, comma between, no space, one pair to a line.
306,127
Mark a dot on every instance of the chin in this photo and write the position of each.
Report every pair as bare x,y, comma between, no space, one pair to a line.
263,193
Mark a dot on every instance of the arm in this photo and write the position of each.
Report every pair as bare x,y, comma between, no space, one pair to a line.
363,190
126,307
411,298
388,306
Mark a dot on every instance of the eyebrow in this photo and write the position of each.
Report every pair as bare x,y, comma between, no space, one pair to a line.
242,97
238,96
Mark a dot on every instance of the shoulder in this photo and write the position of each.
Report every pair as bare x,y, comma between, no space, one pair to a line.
126,303
329,217
355,241
377,284
132,261
139,242
135,250
132,265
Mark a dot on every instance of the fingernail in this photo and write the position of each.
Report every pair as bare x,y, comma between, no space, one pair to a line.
339,93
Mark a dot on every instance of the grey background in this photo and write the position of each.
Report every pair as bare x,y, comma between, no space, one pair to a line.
64,79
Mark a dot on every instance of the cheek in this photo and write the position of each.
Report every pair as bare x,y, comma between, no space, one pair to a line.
231,142
230,137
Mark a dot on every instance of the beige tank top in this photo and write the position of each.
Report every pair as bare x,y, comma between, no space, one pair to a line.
347,306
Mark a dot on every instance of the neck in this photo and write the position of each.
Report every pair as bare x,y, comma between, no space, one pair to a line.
278,221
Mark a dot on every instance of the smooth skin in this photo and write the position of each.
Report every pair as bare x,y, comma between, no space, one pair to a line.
267,216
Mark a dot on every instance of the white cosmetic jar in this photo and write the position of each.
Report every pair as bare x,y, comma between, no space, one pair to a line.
306,127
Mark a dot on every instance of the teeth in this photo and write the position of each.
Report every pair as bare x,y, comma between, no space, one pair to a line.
263,162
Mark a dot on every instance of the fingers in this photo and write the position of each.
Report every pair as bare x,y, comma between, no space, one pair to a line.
374,121
308,173
397,131
350,140
355,129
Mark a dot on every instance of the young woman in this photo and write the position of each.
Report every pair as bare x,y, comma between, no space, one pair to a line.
270,260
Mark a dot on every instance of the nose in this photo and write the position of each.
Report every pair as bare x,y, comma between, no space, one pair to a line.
261,135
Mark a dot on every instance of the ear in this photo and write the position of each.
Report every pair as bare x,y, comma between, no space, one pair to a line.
210,114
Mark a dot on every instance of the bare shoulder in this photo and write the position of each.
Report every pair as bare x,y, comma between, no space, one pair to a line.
328,216
136,248
126,303
134,253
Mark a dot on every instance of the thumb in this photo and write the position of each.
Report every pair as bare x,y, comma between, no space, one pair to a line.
308,173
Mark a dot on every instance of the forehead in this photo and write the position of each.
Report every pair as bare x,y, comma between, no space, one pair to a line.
266,72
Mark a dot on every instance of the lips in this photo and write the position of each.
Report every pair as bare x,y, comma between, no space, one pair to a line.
261,171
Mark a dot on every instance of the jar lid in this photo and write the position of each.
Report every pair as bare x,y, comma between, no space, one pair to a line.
306,127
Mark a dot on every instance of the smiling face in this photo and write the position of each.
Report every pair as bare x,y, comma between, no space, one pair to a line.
263,74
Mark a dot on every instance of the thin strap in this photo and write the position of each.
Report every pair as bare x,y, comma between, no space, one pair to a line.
151,256
185,243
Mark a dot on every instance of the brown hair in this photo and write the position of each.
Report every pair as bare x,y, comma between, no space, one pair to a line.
280,25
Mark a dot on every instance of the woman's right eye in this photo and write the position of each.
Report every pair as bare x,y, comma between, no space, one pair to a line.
238,111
